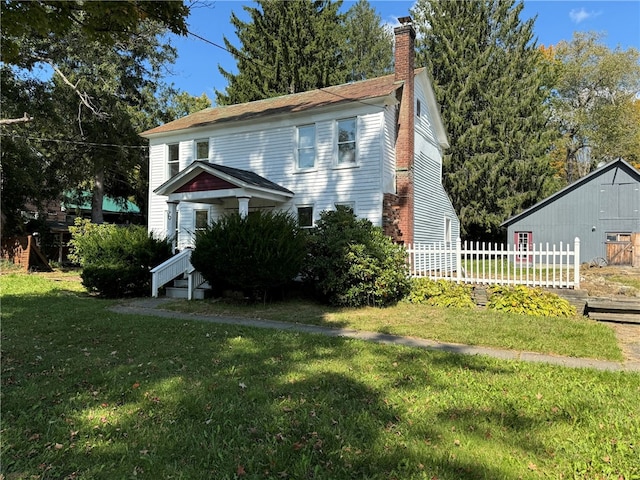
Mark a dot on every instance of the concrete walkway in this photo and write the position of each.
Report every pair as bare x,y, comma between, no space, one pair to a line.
153,307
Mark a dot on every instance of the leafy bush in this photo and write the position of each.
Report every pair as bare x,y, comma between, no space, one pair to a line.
529,301
256,254
116,260
440,293
352,263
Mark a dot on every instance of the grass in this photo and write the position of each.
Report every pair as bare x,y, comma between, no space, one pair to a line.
90,394
629,282
578,337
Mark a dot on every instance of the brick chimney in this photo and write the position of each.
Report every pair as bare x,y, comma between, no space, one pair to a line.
405,37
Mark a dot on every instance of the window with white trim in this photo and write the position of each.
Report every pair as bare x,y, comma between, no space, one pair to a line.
173,159
201,219
305,216
347,141
306,150
350,205
447,229
524,243
202,149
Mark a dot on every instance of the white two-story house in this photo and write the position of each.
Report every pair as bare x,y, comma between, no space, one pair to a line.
374,145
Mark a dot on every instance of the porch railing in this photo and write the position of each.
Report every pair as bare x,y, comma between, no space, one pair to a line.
481,263
169,270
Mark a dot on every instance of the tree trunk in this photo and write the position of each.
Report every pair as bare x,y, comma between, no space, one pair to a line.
97,197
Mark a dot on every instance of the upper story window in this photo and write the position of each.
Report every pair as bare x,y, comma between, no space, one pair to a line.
202,149
173,159
418,108
306,146
347,141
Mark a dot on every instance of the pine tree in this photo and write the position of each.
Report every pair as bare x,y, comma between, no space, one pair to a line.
491,82
298,45
287,47
368,50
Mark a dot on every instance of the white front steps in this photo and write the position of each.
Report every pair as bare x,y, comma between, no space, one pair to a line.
180,289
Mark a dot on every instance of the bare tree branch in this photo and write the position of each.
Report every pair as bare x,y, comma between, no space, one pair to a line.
84,97
9,121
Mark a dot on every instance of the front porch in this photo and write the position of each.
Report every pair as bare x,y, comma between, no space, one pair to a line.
210,191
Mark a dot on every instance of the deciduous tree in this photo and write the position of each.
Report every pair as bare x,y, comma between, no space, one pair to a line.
594,103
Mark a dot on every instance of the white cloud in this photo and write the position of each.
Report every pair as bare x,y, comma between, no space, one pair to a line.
581,15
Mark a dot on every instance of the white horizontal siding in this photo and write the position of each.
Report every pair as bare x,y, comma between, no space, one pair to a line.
157,172
268,149
431,201
389,150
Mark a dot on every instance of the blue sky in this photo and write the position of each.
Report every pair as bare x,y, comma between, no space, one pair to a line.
196,70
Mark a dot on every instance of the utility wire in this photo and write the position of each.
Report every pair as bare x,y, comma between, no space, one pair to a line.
76,142
323,89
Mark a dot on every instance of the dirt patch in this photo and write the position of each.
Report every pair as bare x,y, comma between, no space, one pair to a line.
610,281
628,336
616,282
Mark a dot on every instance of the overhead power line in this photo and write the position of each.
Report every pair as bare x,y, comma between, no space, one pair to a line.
75,142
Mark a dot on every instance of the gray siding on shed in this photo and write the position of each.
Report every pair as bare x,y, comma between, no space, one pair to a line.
607,200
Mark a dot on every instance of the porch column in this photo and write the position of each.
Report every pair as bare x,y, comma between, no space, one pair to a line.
243,206
172,225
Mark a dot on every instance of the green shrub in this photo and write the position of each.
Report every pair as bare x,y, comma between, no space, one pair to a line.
440,293
352,263
257,254
529,301
116,261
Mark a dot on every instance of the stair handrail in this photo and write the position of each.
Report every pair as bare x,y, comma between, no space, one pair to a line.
169,270
194,280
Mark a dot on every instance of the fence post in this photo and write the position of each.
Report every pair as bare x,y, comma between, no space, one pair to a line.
458,260
576,264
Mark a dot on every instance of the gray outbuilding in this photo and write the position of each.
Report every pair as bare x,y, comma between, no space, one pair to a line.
602,209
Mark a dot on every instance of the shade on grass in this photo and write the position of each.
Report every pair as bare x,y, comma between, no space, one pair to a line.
88,393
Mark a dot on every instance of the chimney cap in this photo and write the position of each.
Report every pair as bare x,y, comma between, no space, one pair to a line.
405,20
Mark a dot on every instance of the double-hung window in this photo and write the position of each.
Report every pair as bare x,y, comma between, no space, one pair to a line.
305,216
524,244
347,141
201,219
173,159
306,147
202,149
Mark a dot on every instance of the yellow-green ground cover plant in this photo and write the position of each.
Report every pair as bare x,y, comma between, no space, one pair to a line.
529,301
440,293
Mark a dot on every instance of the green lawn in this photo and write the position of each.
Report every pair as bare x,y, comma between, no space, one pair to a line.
577,337
90,394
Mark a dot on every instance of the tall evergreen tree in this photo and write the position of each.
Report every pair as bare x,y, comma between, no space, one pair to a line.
287,47
298,45
491,81
368,47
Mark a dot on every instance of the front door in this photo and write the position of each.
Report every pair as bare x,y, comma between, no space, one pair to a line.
619,251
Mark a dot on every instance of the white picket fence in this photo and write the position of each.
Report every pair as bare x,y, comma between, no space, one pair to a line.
494,264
